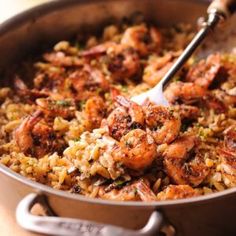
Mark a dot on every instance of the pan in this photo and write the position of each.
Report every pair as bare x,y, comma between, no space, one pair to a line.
70,214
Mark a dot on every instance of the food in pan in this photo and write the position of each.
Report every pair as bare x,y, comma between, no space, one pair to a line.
75,128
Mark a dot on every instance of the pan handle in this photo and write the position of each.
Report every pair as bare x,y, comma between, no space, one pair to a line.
52,225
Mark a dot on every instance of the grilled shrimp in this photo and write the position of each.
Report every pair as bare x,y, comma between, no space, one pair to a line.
142,39
228,166
176,192
98,50
227,98
127,116
137,150
36,138
187,92
79,84
228,157
204,72
121,61
187,112
94,112
162,123
230,138
85,83
53,108
212,102
182,165
26,93
137,191
23,134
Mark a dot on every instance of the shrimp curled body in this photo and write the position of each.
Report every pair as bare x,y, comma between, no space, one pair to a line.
23,135
182,168
37,138
124,118
187,92
137,150
162,123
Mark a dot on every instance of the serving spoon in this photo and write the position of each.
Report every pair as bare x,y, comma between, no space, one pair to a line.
218,11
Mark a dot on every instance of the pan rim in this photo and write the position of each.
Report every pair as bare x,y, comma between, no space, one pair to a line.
53,5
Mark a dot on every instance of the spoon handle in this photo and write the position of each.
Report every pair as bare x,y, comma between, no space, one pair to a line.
225,7
218,10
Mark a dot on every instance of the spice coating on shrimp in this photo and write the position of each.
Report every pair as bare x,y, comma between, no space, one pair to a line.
182,166
137,150
162,123
124,118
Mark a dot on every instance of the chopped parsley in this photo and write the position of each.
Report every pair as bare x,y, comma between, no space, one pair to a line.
63,103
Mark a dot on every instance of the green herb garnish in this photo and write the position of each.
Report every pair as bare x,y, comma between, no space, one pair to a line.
77,139
63,103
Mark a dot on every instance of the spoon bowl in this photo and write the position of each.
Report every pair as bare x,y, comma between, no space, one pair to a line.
154,95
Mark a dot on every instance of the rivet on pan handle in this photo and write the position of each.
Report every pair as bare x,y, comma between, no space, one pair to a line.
52,225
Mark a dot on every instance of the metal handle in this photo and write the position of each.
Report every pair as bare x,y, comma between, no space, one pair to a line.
224,7
52,225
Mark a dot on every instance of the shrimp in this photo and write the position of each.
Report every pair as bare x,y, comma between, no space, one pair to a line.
137,191
124,118
137,150
50,81
142,39
98,50
181,166
96,77
26,93
23,135
157,67
227,98
228,166
114,92
86,82
53,108
162,123
204,72
94,112
212,102
118,122
227,155
37,139
187,112
230,138
177,192
121,61
187,92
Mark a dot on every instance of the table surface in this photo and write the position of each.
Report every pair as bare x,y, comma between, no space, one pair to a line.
8,226
10,7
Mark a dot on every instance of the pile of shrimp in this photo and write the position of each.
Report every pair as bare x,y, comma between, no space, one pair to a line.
75,128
